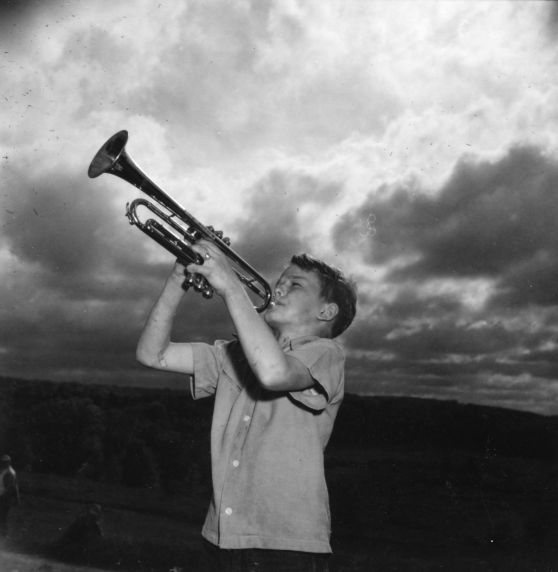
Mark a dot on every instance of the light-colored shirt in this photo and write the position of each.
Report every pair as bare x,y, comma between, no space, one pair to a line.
269,488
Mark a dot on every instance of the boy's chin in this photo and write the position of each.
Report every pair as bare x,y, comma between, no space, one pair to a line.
270,315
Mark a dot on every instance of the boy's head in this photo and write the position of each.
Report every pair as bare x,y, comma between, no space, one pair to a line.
336,289
312,297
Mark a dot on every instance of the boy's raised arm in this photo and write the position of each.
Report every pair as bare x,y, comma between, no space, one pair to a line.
154,347
274,369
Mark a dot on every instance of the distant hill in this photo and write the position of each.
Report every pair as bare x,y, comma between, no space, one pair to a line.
412,423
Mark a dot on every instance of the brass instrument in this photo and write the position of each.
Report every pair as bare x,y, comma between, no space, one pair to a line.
180,228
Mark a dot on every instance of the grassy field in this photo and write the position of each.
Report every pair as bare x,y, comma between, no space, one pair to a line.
392,511
425,512
143,529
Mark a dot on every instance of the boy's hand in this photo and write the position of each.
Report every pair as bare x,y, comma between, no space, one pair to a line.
177,274
216,268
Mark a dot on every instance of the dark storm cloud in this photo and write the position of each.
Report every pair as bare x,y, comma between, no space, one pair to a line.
491,219
532,281
15,10
413,327
517,391
74,242
85,280
271,231
429,345
76,294
51,226
96,342
553,17
491,223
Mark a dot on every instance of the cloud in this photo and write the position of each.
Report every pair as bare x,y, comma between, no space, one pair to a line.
471,269
553,16
489,220
275,224
378,136
15,10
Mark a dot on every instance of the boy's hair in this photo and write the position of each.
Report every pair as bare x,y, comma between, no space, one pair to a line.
335,288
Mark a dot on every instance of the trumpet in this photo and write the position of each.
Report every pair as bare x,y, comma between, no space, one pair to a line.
175,229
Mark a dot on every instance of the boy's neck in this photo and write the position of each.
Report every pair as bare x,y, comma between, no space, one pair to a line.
286,336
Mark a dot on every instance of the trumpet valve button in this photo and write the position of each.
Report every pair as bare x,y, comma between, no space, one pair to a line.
199,282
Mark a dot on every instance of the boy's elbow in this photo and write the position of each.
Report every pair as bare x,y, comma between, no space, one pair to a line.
145,357
278,380
274,384
289,375
269,383
142,358
271,379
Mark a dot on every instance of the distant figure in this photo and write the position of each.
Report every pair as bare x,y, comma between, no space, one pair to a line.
9,492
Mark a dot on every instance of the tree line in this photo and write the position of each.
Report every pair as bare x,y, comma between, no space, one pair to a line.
160,437
137,437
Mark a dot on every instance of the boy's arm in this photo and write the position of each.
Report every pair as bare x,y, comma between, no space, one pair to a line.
274,369
154,347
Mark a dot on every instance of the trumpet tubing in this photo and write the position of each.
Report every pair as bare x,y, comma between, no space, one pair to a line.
175,229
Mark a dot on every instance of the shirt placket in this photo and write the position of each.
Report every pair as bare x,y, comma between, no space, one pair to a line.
230,504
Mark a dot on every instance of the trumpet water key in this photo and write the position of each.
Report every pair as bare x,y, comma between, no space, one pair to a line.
174,228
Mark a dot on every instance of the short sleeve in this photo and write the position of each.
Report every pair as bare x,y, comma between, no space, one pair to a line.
208,360
325,361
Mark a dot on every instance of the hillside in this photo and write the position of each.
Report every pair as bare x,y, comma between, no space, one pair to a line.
427,424
414,484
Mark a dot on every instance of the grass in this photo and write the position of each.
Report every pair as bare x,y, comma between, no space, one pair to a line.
392,511
142,529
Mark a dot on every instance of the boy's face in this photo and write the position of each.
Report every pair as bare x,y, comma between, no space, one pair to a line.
298,302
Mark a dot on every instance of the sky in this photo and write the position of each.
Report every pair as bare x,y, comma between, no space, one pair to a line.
411,144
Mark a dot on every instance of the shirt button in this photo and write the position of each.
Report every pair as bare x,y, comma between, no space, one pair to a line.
246,418
228,511
235,463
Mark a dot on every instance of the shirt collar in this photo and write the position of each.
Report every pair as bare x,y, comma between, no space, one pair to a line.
297,342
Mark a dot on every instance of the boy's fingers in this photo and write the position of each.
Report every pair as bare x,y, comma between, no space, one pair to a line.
194,268
207,247
203,249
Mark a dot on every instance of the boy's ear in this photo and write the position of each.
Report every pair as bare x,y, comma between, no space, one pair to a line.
328,312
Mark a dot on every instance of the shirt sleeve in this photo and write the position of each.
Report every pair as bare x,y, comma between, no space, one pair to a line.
325,361
208,363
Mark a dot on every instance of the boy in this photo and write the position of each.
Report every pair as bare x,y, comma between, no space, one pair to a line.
277,391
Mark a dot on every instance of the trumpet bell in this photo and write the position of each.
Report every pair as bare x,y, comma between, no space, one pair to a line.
108,155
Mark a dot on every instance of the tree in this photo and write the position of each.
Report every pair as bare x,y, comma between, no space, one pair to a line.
138,466
65,433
